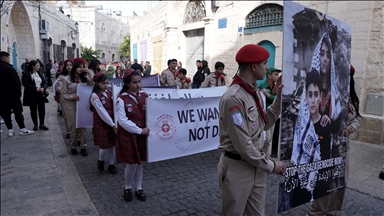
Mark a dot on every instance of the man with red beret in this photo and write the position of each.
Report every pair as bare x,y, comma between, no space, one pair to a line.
243,165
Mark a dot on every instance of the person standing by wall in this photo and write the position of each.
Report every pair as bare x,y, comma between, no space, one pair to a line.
34,87
196,78
243,165
10,93
24,65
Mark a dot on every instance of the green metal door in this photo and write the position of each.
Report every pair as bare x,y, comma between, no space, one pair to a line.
271,61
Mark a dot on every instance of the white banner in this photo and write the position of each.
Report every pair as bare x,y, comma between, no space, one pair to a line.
182,127
84,116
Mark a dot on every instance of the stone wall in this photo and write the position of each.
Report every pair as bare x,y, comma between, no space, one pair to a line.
21,26
222,44
99,31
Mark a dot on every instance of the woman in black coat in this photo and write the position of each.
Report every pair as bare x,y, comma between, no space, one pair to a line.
34,87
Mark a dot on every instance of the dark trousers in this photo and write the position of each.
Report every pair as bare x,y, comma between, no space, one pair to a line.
9,105
275,138
195,85
38,106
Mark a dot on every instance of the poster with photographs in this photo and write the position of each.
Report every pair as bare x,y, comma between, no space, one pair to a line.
316,65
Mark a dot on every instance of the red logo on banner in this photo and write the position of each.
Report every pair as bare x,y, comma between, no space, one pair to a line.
165,127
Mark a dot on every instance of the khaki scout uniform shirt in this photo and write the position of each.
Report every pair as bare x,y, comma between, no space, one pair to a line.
210,81
242,126
183,85
167,78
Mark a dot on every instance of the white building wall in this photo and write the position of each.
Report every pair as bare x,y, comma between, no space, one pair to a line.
99,30
222,44
21,25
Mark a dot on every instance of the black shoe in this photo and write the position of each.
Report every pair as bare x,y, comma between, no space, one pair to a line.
35,128
84,152
128,195
74,151
141,195
67,136
381,175
112,169
43,127
100,165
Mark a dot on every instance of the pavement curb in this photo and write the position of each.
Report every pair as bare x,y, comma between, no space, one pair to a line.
77,197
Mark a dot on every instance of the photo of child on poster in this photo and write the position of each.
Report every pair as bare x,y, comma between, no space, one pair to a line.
316,64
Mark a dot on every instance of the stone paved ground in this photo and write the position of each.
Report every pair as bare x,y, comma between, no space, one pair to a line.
184,186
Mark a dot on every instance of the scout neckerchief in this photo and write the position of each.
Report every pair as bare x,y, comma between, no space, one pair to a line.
219,77
186,80
139,104
239,81
174,72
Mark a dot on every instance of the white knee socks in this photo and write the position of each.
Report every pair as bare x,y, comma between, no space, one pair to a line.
102,154
133,171
111,155
129,174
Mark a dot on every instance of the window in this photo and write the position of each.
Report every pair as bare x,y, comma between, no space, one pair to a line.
265,15
194,12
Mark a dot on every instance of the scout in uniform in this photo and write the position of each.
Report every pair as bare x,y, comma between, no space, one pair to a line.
269,89
77,76
131,138
168,76
182,81
243,165
215,79
103,126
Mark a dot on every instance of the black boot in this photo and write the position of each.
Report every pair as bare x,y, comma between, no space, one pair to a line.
112,169
100,165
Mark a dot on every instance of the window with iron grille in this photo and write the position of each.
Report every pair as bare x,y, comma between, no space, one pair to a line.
194,12
265,15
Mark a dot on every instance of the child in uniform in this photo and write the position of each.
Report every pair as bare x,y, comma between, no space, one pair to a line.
131,139
182,81
215,79
103,126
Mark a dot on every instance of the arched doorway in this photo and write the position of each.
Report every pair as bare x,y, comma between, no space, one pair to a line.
62,55
113,57
103,60
14,55
23,34
194,12
271,49
271,60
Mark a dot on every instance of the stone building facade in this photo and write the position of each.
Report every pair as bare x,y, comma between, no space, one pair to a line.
100,30
215,30
37,30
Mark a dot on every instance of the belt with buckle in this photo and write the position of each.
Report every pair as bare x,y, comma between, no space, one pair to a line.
232,155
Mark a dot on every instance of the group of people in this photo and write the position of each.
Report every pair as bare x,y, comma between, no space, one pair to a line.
124,140
176,75
243,164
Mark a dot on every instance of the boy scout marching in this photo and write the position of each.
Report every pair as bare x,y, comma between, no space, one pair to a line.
243,165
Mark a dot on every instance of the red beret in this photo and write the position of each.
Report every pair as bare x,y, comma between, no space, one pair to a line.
252,53
80,60
97,75
127,73
352,70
